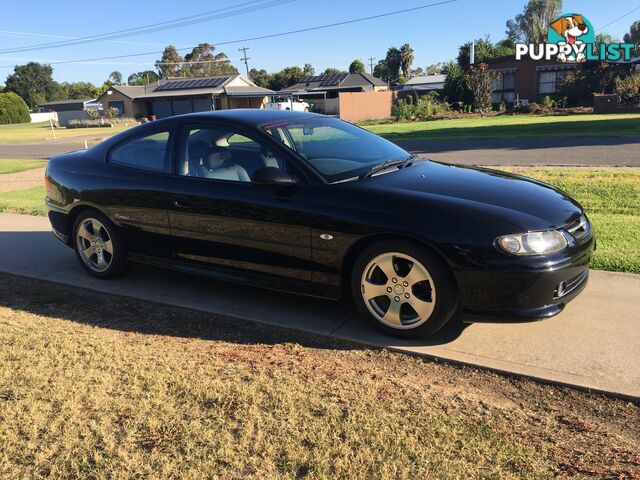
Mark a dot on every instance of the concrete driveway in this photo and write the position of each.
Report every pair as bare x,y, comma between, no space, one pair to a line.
594,343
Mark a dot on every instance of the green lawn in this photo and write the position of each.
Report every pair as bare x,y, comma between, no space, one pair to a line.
35,132
28,202
12,166
610,197
509,126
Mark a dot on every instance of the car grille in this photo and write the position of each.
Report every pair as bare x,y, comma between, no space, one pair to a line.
579,228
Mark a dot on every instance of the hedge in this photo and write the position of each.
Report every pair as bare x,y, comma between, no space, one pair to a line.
13,109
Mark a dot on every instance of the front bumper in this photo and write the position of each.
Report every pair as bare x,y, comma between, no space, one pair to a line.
528,290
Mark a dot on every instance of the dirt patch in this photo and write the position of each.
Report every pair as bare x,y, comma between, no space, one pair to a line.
10,182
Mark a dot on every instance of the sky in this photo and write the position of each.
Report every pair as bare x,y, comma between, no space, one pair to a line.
434,33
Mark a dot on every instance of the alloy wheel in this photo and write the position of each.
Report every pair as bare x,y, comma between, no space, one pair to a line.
398,290
94,245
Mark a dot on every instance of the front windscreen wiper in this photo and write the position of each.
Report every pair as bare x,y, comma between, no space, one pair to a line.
398,163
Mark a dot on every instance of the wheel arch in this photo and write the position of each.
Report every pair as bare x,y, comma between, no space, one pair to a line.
353,252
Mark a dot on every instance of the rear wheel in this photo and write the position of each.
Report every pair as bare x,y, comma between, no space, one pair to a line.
404,289
98,245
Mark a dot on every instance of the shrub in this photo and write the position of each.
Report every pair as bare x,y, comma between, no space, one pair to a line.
479,80
424,107
13,109
628,89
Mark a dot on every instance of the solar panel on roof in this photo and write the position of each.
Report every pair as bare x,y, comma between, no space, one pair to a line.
211,82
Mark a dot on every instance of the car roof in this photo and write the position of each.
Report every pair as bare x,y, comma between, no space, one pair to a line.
249,116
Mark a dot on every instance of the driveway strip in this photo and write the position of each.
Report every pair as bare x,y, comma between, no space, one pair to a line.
594,344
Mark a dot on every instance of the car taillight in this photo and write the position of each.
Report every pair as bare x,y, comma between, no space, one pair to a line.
47,183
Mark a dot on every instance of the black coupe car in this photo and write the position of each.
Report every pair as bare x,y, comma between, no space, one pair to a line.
310,204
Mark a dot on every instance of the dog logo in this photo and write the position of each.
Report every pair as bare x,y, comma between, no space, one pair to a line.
571,32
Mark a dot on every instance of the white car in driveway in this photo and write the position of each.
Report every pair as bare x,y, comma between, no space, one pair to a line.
296,105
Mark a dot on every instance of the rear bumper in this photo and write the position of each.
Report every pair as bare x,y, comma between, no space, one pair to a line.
526,291
59,219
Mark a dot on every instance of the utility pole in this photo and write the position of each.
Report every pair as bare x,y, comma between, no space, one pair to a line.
371,59
245,58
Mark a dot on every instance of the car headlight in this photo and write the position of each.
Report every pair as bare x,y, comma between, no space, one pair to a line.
532,243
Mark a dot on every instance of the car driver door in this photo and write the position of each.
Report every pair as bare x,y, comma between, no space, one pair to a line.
219,218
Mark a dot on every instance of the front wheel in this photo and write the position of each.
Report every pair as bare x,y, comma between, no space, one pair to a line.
404,289
98,245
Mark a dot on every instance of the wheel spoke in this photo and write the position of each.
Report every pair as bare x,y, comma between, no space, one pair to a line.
392,316
101,262
86,253
415,275
421,307
107,246
95,226
386,265
372,290
84,232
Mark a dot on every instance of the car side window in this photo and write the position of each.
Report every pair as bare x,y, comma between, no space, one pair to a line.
146,153
220,153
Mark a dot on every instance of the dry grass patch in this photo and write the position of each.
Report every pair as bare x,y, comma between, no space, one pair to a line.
96,386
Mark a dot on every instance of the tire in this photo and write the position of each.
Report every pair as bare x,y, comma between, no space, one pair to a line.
416,276
98,245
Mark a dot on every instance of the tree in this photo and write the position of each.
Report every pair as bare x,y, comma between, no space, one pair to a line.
532,25
406,59
332,71
142,78
604,37
202,62
455,89
381,70
260,77
634,36
417,72
115,78
13,109
393,61
356,66
285,78
78,90
34,83
628,89
308,70
484,50
171,62
435,68
479,80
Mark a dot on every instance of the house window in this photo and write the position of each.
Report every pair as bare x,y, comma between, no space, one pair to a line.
504,87
549,82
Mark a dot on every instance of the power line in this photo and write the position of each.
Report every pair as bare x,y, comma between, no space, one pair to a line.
620,18
262,37
245,58
247,7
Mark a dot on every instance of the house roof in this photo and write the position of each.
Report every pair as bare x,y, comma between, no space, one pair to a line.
66,102
337,81
426,79
188,87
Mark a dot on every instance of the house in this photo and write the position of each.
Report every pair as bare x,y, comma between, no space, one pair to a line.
424,83
527,79
178,95
70,109
323,90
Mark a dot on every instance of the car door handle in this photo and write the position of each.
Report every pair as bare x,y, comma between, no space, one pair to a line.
181,204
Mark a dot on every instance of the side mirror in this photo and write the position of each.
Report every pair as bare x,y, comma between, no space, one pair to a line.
272,176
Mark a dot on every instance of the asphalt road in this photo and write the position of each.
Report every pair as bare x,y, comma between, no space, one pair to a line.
566,151
561,151
594,343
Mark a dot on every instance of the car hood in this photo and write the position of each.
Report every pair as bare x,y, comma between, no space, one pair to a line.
523,202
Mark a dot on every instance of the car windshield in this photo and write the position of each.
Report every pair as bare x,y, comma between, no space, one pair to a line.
337,150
